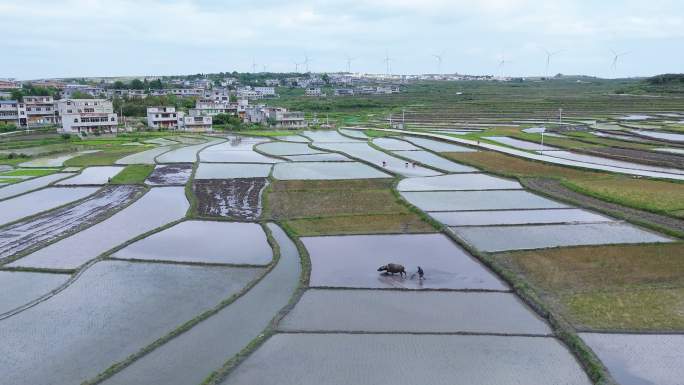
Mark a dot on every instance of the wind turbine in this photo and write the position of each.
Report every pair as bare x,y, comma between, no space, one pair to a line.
502,62
349,61
387,61
296,66
306,62
549,55
616,56
439,61
253,65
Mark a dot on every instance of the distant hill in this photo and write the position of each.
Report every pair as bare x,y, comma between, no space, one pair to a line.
659,84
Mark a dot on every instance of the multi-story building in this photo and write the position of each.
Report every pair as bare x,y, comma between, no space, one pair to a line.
266,92
272,82
13,112
282,118
196,123
87,115
218,95
131,94
313,91
40,110
9,84
162,117
71,89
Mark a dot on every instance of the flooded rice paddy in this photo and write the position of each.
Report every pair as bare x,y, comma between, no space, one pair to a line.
92,176
438,146
314,359
294,138
170,174
610,162
232,170
458,182
669,136
284,148
236,151
145,157
54,160
37,231
354,134
190,357
368,154
323,157
352,261
478,200
41,200
392,144
20,288
156,208
32,184
232,198
204,242
521,144
493,238
429,159
640,359
326,171
121,308
186,154
412,312
328,137
517,217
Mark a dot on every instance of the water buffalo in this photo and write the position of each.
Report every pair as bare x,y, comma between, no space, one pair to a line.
393,268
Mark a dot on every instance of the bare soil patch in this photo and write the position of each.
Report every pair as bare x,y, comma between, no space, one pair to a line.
233,198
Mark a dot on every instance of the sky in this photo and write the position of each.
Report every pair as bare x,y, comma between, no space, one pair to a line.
43,39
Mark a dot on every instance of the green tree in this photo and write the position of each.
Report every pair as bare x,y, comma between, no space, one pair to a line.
17,95
136,84
119,85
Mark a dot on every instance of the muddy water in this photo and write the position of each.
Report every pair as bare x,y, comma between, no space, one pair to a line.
640,359
392,144
314,359
36,232
412,311
232,198
232,170
158,207
41,200
517,217
190,357
326,170
113,310
457,182
438,146
331,157
368,154
170,175
93,176
20,288
206,242
282,148
494,238
435,161
479,200
30,185
352,261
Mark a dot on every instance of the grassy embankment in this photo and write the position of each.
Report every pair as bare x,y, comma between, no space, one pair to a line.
341,207
657,196
133,174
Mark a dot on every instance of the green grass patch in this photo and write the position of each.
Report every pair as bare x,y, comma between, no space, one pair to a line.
622,287
647,194
133,174
28,172
106,157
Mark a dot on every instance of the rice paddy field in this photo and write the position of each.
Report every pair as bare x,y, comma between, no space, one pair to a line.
455,249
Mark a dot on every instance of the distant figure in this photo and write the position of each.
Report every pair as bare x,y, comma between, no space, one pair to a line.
406,164
109,180
393,268
420,273
384,164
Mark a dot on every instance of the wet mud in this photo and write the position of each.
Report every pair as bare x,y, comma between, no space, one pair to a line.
170,175
233,198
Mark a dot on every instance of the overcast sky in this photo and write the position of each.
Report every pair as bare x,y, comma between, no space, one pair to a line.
115,38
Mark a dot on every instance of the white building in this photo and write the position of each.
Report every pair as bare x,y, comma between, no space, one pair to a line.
162,117
40,110
87,115
272,82
13,112
71,89
266,92
196,123
313,91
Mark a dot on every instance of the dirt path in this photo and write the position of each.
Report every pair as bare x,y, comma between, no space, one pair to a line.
554,188
36,232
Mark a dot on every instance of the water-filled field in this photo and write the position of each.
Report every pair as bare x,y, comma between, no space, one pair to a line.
458,182
429,159
170,174
478,200
285,148
31,184
20,287
232,170
204,242
517,217
437,145
112,310
352,261
41,200
92,176
326,171
392,144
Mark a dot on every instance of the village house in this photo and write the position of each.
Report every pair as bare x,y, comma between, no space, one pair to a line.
13,112
162,117
40,110
87,116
